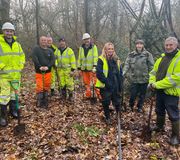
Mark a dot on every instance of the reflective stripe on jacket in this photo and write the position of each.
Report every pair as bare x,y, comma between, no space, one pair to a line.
87,63
66,59
171,83
12,59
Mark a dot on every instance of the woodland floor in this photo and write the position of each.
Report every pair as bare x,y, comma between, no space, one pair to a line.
77,131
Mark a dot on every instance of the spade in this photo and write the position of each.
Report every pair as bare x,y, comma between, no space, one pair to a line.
20,127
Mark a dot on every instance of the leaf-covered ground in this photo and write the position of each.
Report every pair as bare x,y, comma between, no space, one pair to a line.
77,131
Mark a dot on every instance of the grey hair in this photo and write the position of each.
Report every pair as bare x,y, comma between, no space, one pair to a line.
172,39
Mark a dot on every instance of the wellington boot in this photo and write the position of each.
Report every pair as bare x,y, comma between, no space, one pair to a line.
3,116
40,99
70,98
12,109
160,121
45,100
63,93
108,121
52,92
174,140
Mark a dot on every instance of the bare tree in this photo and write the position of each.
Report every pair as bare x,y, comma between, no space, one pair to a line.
4,11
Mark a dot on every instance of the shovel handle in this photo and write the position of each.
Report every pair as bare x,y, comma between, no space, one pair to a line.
150,111
119,136
15,85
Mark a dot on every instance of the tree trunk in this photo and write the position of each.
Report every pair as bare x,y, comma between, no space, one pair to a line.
4,11
37,21
86,18
114,21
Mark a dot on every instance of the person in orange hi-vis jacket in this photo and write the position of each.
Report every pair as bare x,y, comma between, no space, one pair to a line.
87,61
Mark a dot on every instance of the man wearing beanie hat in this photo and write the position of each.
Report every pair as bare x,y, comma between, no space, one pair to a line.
137,66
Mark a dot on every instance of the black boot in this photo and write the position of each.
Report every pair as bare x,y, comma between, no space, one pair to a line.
12,109
52,91
40,99
45,100
63,93
70,98
131,103
3,115
117,107
139,110
160,121
131,107
107,114
174,140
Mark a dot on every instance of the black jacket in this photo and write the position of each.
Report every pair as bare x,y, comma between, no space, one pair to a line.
114,78
43,57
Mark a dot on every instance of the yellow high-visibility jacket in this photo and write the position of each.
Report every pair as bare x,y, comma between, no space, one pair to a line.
56,53
99,84
171,83
87,63
12,59
66,59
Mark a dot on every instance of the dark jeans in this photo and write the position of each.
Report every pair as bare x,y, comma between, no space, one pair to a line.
107,97
167,103
137,89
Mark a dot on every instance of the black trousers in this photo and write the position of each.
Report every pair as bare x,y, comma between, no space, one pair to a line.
107,97
137,89
167,103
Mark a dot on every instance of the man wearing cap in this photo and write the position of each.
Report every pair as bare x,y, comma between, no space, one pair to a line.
66,65
12,59
87,62
53,69
165,79
137,66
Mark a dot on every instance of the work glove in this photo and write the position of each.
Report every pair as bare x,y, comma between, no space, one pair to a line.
72,73
76,73
94,70
151,87
79,72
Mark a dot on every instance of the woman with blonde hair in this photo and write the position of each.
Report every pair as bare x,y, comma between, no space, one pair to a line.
108,74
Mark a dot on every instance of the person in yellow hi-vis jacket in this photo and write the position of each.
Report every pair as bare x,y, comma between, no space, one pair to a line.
87,62
109,79
12,59
66,66
53,72
165,79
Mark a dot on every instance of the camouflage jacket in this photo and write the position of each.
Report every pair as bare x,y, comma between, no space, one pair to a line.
137,66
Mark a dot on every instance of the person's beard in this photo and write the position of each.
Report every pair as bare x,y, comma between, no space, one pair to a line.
8,38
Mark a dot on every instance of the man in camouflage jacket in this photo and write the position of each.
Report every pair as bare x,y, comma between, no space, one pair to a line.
136,69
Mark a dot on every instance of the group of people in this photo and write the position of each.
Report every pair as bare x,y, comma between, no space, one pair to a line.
59,63
104,72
